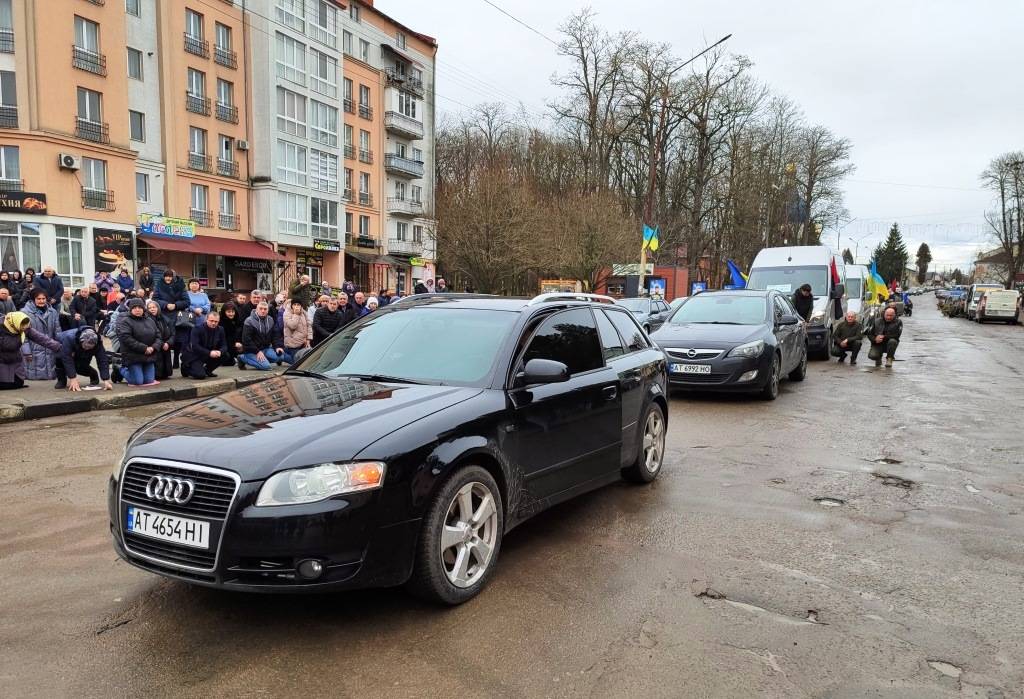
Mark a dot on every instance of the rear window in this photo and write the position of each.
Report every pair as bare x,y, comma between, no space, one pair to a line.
569,337
630,331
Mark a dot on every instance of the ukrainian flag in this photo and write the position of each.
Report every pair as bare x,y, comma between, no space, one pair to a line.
739,279
876,285
650,238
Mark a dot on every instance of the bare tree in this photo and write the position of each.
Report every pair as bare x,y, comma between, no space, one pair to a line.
1003,177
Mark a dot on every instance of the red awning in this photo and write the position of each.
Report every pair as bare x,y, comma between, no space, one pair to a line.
212,245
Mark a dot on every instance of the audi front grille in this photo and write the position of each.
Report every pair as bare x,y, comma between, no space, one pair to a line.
213,493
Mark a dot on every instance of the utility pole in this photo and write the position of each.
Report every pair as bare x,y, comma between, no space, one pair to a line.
1018,251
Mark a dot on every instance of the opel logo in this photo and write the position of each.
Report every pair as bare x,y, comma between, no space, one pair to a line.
176,490
691,353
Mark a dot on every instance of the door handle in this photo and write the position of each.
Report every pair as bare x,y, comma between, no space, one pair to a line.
610,392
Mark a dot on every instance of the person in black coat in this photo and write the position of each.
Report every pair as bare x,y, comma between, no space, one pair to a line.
231,322
207,346
145,281
163,357
803,301
140,341
79,346
329,318
172,296
50,282
83,309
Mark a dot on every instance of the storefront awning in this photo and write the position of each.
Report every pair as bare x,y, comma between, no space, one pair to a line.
211,245
369,259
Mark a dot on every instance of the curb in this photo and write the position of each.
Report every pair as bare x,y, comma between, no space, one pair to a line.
17,411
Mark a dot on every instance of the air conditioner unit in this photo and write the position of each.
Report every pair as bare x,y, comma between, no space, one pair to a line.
66,161
241,145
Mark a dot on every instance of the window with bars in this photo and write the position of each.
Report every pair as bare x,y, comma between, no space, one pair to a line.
291,113
323,171
291,163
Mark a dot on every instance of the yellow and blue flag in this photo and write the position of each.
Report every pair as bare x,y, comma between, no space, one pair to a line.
739,279
876,285
650,238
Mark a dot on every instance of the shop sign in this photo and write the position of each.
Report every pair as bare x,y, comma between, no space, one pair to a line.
309,258
631,270
166,227
326,245
244,264
23,203
417,261
111,248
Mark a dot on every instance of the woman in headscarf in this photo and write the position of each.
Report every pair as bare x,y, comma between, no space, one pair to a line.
41,362
163,356
15,332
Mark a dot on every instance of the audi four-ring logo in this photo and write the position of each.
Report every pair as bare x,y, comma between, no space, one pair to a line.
168,489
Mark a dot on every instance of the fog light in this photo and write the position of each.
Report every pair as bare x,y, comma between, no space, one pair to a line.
310,569
749,376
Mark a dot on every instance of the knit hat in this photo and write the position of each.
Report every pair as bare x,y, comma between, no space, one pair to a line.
135,303
88,338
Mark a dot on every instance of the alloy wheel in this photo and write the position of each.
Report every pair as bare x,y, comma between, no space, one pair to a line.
470,534
654,441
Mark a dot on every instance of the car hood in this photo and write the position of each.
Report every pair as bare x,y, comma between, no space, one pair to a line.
288,422
706,335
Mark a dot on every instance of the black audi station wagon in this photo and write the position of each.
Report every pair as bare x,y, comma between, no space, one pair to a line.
399,451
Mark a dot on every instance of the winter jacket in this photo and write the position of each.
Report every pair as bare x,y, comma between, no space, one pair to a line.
244,311
146,282
200,300
125,282
326,322
53,286
166,331
85,307
12,360
46,322
103,283
304,293
889,331
259,333
166,294
202,341
804,305
7,307
361,311
854,334
135,335
72,352
296,329
232,327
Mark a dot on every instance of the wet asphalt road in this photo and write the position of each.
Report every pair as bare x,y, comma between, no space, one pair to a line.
725,578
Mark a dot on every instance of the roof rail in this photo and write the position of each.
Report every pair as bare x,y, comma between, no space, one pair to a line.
569,296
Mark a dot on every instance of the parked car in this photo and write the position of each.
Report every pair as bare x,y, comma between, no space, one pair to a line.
677,302
386,457
650,313
1001,304
857,298
974,294
740,340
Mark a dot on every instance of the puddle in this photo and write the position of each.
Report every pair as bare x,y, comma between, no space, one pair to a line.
887,460
947,669
971,489
776,481
894,481
830,502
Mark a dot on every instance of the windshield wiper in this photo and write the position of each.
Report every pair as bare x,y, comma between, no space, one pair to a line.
380,377
311,374
712,322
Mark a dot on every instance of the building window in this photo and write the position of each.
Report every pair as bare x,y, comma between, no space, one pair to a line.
364,226
417,154
142,187
407,104
194,24
291,113
348,181
323,123
401,230
364,50
364,142
196,140
346,42
353,11
291,163
8,89
10,164
417,234
291,59
323,171
19,245
222,37
324,218
227,201
137,125
226,150
196,83
364,182
87,35
400,191
225,93
200,198
90,105
132,7
135,64
324,74
69,255
323,22
400,40
290,13
94,174
348,223
417,193
365,110
291,213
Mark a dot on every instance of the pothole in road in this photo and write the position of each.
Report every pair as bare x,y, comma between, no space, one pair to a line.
776,481
887,460
947,669
971,489
894,481
830,502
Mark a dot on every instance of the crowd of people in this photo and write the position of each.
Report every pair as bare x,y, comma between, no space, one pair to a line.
155,327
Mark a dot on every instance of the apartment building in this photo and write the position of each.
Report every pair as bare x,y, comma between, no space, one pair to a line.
66,165
389,105
295,68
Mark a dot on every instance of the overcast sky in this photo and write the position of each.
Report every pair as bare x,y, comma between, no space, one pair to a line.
928,92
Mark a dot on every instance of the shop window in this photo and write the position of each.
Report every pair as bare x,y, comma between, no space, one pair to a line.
200,269
219,272
69,256
19,246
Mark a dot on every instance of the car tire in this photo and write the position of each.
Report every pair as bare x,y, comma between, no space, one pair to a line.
800,373
650,454
439,575
771,388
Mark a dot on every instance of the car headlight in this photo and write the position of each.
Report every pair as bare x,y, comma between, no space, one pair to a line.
751,349
302,485
818,318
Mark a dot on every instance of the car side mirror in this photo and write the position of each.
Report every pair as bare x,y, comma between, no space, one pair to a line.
789,319
838,291
542,371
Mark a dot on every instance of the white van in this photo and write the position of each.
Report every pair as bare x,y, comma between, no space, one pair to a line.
787,269
856,288
1000,304
974,296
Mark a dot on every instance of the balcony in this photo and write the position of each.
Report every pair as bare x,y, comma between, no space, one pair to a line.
229,222
400,124
90,130
346,194
199,161
406,207
99,199
350,151
415,86
366,199
227,168
225,57
397,165
360,241
405,247
394,78
8,117
197,104
350,106
201,217
227,112
366,111
88,61
6,41
365,156
197,46
9,185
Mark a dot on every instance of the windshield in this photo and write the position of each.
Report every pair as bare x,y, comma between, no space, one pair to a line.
635,305
713,308
854,287
789,279
430,345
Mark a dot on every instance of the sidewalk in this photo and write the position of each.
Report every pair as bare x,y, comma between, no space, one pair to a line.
40,399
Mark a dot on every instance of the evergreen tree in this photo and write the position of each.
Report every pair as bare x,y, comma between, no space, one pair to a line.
847,256
892,256
924,258
958,276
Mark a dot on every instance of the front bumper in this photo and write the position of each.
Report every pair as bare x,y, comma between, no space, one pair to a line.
260,548
817,338
725,374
